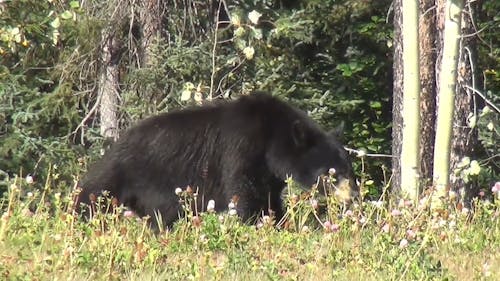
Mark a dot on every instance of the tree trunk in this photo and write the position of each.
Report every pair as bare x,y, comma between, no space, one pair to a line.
109,85
446,97
151,15
464,138
109,80
397,117
411,91
427,41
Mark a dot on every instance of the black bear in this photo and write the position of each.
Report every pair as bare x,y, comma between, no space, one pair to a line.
241,149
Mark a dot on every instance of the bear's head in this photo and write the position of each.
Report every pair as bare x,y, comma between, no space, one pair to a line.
311,156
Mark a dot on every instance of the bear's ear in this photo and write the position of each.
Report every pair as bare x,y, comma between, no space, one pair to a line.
338,132
299,134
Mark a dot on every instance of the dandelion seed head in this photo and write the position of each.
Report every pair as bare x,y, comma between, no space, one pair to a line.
178,191
266,219
362,220
378,204
203,238
29,179
403,243
211,205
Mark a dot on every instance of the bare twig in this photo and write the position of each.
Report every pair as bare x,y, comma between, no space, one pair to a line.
486,100
358,152
90,113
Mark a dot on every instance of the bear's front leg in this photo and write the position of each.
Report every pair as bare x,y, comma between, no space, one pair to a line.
252,198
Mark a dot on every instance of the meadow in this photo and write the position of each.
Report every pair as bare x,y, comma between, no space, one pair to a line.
41,238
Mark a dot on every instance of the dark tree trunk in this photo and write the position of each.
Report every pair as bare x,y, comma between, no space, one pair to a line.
464,140
397,118
151,15
427,38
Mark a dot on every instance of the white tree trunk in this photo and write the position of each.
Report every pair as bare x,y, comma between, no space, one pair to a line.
446,98
410,163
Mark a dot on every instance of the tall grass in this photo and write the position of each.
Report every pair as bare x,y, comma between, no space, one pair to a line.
42,239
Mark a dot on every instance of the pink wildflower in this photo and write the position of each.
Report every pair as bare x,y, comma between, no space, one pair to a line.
27,213
327,224
386,228
128,213
496,187
349,213
395,213
335,227
411,234
314,203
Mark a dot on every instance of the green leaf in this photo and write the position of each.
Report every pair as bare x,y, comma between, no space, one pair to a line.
474,167
55,23
257,33
375,105
66,15
74,4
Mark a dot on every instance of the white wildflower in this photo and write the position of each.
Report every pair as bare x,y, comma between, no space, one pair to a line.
254,16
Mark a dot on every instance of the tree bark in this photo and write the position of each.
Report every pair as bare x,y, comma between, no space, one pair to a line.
427,42
446,95
109,80
151,15
410,166
464,134
397,117
109,86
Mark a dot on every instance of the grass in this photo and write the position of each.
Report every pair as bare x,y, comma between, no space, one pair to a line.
41,239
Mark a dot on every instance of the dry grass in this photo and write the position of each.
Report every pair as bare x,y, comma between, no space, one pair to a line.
40,239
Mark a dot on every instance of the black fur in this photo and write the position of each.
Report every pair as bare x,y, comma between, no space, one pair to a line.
245,148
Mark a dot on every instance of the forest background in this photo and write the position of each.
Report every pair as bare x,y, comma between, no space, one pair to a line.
66,63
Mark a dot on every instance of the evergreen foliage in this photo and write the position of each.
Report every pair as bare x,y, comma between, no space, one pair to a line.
332,58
